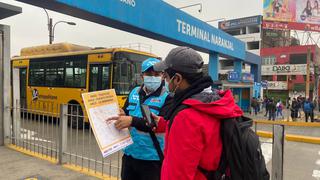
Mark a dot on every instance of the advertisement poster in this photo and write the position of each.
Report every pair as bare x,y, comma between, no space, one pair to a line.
101,105
279,10
291,14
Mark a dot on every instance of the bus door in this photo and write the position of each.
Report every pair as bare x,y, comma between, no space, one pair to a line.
99,78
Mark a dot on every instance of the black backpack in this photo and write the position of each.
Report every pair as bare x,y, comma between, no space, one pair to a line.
242,157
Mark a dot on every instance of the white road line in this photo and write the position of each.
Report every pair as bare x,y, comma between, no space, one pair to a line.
28,134
318,162
316,174
267,150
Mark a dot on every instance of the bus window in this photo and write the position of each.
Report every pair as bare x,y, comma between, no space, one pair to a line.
127,71
75,73
99,77
68,71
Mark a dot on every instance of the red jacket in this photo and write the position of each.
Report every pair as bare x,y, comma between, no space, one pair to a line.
194,138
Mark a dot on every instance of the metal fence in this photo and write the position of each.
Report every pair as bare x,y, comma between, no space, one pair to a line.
61,133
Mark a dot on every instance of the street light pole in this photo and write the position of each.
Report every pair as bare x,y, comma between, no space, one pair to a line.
51,27
52,31
214,20
191,5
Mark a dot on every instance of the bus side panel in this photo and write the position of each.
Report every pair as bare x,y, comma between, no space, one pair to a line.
49,99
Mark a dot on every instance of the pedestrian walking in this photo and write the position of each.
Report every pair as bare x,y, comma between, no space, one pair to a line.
294,109
271,106
308,109
279,107
254,106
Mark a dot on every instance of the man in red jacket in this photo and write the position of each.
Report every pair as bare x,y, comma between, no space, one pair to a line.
192,139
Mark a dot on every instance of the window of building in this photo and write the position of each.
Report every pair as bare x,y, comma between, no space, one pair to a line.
269,60
282,78
244,30
253,29
267,78
253,45
299,58
234,32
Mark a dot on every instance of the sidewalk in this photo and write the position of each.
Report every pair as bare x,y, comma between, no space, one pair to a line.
17,166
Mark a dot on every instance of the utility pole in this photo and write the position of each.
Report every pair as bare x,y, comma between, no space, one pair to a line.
50,28
308,73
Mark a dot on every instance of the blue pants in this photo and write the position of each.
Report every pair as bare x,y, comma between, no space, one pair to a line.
279,112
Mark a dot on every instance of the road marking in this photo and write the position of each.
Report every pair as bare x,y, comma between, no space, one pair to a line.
318,162
266,147
316,174
28,134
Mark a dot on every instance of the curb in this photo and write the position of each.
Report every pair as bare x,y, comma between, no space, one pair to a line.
291,137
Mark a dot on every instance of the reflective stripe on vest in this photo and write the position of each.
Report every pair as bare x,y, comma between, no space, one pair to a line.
142,147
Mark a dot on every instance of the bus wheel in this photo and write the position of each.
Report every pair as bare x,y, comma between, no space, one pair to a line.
75,116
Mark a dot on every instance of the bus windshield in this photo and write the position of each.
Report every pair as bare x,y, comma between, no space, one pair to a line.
127,71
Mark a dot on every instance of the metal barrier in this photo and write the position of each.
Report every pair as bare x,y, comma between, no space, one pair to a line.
79,146
276,131
35,130
64,138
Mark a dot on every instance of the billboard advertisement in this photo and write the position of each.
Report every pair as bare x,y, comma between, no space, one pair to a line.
292,14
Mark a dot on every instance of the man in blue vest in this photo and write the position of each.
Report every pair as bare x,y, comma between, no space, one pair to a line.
141,160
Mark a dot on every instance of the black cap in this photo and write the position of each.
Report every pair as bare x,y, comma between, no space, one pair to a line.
182,59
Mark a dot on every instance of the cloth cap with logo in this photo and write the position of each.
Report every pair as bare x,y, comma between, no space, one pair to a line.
182,59
148,63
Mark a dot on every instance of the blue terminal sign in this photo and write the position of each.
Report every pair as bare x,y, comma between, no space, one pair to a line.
234,76
150,18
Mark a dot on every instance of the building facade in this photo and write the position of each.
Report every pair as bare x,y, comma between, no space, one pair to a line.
242,83
286,70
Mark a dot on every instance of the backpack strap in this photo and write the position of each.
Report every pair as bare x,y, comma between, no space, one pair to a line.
156,145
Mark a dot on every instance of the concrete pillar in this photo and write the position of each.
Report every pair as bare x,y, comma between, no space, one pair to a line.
4,83
213,66
254,71
238,66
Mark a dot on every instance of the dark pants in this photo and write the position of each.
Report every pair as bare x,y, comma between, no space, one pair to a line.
135,169
272,115
309,114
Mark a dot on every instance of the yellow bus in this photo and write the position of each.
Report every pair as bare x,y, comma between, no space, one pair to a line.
56,74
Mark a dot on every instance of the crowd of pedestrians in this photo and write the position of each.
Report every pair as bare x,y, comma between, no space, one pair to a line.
273,109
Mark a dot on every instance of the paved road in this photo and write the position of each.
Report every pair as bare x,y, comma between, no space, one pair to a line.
301,161
17,166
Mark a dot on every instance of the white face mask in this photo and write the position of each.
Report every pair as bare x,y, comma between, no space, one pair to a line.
152,83
171,94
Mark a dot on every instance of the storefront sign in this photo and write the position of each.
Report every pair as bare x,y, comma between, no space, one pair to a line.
285,69
278,85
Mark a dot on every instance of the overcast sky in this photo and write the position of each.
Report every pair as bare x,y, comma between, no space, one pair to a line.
30,27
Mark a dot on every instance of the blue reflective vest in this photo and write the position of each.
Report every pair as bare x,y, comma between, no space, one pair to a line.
142,147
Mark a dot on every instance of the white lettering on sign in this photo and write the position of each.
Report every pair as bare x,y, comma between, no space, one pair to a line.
129,2
198,33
